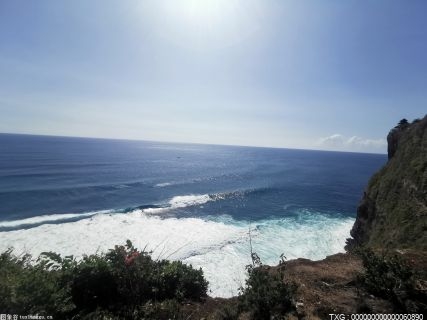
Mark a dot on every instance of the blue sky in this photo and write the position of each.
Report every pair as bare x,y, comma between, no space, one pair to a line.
333,75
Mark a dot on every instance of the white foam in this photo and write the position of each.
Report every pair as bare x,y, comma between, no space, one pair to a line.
181,202
189,200
46,219
219,245
164,184
122,186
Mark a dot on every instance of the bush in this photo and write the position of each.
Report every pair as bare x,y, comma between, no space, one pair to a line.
140,279
181,281
93,284
27,288
229,311
390,277
11,268
265,293
123,284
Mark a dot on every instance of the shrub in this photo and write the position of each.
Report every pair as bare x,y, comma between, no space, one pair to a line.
390,277
265,293
27,288
123,284
177,280
93,284
10,269
140,279
229,311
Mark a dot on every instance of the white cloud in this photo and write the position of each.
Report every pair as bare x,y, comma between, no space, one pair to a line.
339,142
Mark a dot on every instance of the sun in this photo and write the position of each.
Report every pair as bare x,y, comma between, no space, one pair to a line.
201,24
204,12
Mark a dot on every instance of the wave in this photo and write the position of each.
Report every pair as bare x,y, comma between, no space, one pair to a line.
181,182
52,218
78,188
180,202
221,177
164,184
185,201
190,200
122,186
174,203
212,243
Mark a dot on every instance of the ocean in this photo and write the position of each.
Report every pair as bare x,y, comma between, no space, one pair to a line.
189,202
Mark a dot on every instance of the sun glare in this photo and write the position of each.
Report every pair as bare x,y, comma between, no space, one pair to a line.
201,12
202,24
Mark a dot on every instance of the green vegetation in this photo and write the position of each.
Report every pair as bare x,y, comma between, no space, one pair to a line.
402,123
400,194
266,295
393,212
390,277
125,283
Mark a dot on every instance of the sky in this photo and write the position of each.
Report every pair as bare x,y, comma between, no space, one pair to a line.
330,75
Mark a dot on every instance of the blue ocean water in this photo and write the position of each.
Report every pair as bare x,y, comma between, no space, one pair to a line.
197,202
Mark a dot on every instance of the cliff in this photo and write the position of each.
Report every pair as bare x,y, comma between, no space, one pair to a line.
392,221
393,210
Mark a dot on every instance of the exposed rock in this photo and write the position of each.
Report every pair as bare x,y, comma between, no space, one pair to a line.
393,210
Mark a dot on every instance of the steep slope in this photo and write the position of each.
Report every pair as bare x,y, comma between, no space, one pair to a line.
393,211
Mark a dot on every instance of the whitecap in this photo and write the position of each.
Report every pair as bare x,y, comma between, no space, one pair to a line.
219,245
51,218
189,200
181,202
164,184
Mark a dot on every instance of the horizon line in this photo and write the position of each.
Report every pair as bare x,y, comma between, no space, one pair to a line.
181,142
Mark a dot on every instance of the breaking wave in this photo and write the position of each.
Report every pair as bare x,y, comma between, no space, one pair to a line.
212,243
51,218
180,202
174,203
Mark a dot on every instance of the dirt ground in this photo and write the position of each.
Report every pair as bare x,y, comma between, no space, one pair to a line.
325,287
329,286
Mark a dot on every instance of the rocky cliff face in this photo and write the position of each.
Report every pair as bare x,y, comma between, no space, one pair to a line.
393,211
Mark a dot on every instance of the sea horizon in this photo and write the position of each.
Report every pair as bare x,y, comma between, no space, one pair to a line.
190,143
